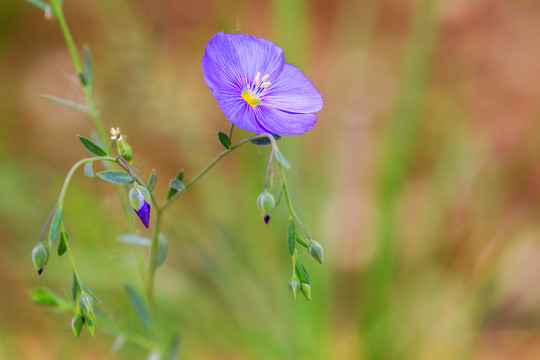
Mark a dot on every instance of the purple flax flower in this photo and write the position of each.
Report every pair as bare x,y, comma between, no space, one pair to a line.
140,201
256,89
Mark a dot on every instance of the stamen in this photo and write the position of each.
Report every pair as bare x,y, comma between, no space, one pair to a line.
256,81
265,77
266,84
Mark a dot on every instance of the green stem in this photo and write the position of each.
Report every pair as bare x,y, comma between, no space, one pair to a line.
58,12
292,213
151,270
220,156
74,168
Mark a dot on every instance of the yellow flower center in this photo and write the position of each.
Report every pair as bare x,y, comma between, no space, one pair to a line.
254,92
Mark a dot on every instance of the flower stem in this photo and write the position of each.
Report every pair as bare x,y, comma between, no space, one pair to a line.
58,12
270,158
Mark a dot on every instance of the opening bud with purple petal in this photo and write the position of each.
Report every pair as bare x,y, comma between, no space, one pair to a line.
140,200
40,256
266,203
295,286
315,249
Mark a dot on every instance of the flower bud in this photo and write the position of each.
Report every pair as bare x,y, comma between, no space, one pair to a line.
306,290
295,286
124,149
139,197
77,323
87,304
315,249
40,256
266,203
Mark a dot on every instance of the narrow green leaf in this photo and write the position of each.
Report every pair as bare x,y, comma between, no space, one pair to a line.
134,239
92,147
172,191
87,290
62,247
279,156
89,169
66,103
56,225
115,177
152,180
139,305
301,271
39,4
88,67
291,237
44,296
74,287
264,140
82,78
177,185
301,241
224,139
163,249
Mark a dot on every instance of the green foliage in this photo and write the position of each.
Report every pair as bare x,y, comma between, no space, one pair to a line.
92,147
139,306
66,103
224,139
115,177
291,237
56,224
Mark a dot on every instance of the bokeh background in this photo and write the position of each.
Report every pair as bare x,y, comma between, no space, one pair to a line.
421,179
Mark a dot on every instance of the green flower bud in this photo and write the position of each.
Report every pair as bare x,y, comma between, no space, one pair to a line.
315,249
295,286
77,323
266,203
87,304
306,290
40,256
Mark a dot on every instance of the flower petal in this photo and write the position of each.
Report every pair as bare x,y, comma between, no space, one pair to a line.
283,122
293,92
231,61
238,111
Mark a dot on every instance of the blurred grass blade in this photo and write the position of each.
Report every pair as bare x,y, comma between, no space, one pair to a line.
163,249
39,4
173,349
88,67
67,103
134,239
138,304
62,244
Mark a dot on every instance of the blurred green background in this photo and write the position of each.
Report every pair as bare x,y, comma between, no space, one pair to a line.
421,179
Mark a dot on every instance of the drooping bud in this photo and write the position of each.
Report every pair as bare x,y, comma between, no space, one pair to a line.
139,197
40,256
87,305
266,203
315,249
306,290
295,286
77,323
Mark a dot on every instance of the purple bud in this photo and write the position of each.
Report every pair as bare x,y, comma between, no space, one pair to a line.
144,212
140,201
266,218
